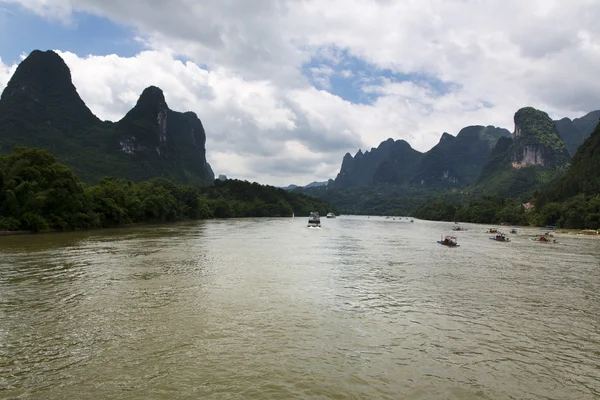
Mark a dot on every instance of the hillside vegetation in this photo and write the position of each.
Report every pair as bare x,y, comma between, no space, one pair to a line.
38,193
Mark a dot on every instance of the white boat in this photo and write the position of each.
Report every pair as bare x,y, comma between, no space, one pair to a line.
314,220
330,215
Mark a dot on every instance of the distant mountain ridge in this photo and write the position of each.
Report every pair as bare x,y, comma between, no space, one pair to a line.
575,132
40,107
454,161
310,185
484,159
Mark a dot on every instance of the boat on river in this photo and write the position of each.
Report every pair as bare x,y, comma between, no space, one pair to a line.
492,230
514,231
543,238
500,237
459,228
314,220
449,241
330,215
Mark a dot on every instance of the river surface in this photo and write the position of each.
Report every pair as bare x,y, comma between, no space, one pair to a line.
362,308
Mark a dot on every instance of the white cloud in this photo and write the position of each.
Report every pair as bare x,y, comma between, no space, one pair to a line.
6,72
261,112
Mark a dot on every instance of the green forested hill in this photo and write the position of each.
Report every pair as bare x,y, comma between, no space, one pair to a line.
573,201
40,107
574,132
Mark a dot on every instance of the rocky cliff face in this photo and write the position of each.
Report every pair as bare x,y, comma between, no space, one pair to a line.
537,141
40,107
534,154
169,140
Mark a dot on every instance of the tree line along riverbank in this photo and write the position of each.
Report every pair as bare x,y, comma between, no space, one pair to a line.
37,193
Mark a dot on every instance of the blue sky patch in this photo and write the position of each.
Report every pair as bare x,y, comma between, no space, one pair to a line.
22,31
345,75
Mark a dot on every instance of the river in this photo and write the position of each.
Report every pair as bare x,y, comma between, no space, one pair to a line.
362,308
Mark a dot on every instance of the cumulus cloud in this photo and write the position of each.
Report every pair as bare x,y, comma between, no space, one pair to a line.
6,72
269,117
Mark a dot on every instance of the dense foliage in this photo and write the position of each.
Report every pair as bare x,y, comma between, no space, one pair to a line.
38,193
378,200
535,137
487,209
457,161
574,200
537,128
570,201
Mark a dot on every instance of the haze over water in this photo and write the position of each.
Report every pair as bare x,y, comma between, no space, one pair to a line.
367,308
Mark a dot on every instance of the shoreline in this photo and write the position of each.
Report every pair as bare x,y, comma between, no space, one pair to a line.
57,231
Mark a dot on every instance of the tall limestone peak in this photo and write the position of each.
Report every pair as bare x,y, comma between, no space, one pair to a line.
533,156
40,107
152,131
41,87
445,137
152,100
388,163
537,141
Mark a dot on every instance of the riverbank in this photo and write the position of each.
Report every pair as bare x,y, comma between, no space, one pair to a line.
47,231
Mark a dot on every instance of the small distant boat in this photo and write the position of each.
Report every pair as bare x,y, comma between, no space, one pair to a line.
543,238
449,241
546,233
314,220
492,230
500,237
514,231
459,228
330,215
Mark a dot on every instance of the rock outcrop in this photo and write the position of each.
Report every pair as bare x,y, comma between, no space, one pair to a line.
534,155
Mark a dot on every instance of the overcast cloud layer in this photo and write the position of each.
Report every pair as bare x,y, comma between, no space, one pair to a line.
285,88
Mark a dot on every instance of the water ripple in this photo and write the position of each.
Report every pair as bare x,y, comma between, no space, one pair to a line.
267,308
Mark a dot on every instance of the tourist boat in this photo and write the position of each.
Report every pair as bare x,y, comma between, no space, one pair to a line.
314,220
500,237
543,238
546,233
514,231
330,215
492,230
459,228
449,241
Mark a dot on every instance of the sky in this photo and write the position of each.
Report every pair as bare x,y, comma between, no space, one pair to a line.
285,88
